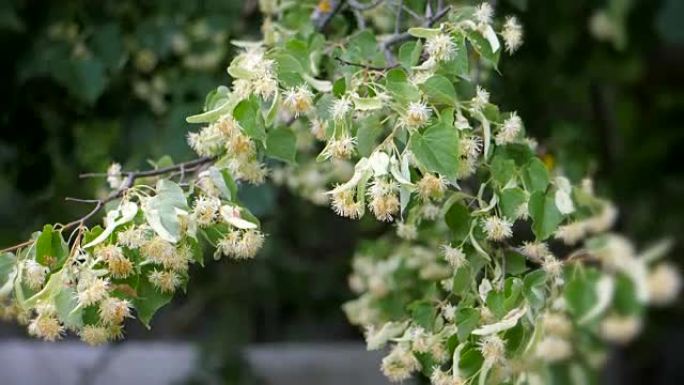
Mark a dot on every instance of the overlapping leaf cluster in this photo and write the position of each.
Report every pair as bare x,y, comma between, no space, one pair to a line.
500,271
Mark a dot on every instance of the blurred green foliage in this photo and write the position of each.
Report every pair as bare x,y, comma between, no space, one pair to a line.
599,83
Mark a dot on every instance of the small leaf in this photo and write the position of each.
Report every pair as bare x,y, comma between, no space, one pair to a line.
281,144
467,320
211,115
399,86
409,53
124,214
424,33
458,220
503,170
535,175
510,200
161,211
149,299
247,113
367,134
367,103
439,90
484,47
423,314
545,215
68,312
436,149
458,65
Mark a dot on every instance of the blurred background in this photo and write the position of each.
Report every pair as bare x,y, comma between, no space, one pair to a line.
600,84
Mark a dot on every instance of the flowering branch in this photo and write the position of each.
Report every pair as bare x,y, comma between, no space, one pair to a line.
128,182
462,295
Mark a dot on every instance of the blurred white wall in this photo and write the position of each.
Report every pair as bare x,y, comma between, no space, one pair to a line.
25,362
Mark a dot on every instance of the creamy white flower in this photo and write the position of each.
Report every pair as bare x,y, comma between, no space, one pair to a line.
298,100
132,237
616,253
493,349
484,13
497,229
431,187
114,176
481,98
510,130
429,211
46,327
34,274
571,233
241,244
440,47
94,335
92,290
454,256
535,250
340,108
552,266
417,115
557,324
344,204
376,338
604,220
553,349
407,231
206,210
512,34
620,329
318,128
113,310
265,86
399,364
342,147
165,281
449,312
664,284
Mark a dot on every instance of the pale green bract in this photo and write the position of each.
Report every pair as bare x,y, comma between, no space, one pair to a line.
499,269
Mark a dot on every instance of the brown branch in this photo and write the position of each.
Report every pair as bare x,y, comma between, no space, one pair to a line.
130,178
355,4
404,36
366,66
327,17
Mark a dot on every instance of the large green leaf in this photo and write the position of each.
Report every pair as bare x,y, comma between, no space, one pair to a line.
248,114
51,250
503,169
483,47
161,210
545,214
66,304
281,144
409,53
423,314
510,200
399,86
149,299
458,220
535,175
439,90
436,149
7,262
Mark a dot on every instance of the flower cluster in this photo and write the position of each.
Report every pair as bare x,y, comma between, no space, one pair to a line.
485,275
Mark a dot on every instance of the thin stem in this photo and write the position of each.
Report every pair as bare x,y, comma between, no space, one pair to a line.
128,182
398,38
366,66
355,4
327,17
397,21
